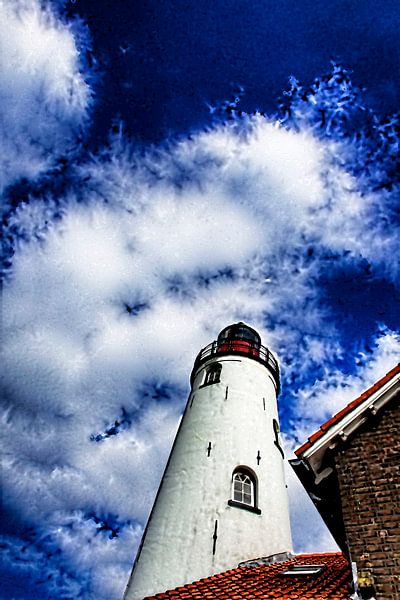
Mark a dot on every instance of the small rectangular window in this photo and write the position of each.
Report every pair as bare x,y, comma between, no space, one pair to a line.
299,569
212,374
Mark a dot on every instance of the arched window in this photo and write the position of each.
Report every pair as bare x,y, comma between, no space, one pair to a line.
213,374
244,490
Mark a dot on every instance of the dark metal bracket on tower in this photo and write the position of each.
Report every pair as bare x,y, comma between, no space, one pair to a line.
277,441
215,537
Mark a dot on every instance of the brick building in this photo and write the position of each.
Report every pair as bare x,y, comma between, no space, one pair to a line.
351,470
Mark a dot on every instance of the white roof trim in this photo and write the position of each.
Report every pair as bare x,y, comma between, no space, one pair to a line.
350,422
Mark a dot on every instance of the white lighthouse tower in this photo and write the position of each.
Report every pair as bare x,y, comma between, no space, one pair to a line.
222,499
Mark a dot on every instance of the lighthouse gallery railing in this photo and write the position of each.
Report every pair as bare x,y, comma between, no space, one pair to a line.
244,348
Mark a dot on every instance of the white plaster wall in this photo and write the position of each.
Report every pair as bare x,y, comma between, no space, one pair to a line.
177,546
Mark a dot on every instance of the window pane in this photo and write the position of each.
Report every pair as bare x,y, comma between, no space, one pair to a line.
237,495
247,498
247,488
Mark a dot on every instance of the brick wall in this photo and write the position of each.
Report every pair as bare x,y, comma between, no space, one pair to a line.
369,480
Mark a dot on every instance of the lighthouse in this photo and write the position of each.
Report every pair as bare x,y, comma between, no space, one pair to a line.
222,499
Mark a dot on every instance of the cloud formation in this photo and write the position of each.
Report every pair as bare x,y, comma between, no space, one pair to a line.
121,278
44,96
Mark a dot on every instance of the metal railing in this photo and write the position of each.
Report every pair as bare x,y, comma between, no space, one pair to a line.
244,348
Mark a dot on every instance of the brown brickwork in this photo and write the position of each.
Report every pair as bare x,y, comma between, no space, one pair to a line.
368,470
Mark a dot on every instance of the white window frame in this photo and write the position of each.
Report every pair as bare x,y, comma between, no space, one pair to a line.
244,478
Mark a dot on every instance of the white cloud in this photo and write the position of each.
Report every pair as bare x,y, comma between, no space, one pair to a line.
44,98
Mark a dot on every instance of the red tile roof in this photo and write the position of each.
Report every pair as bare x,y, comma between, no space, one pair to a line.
267,582
347,409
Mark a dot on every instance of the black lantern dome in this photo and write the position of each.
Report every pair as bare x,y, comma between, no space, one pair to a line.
239,338
239,331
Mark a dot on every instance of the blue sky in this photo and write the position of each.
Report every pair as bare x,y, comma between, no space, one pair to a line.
167,169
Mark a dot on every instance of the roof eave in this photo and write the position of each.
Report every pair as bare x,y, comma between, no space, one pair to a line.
325,497
329,437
